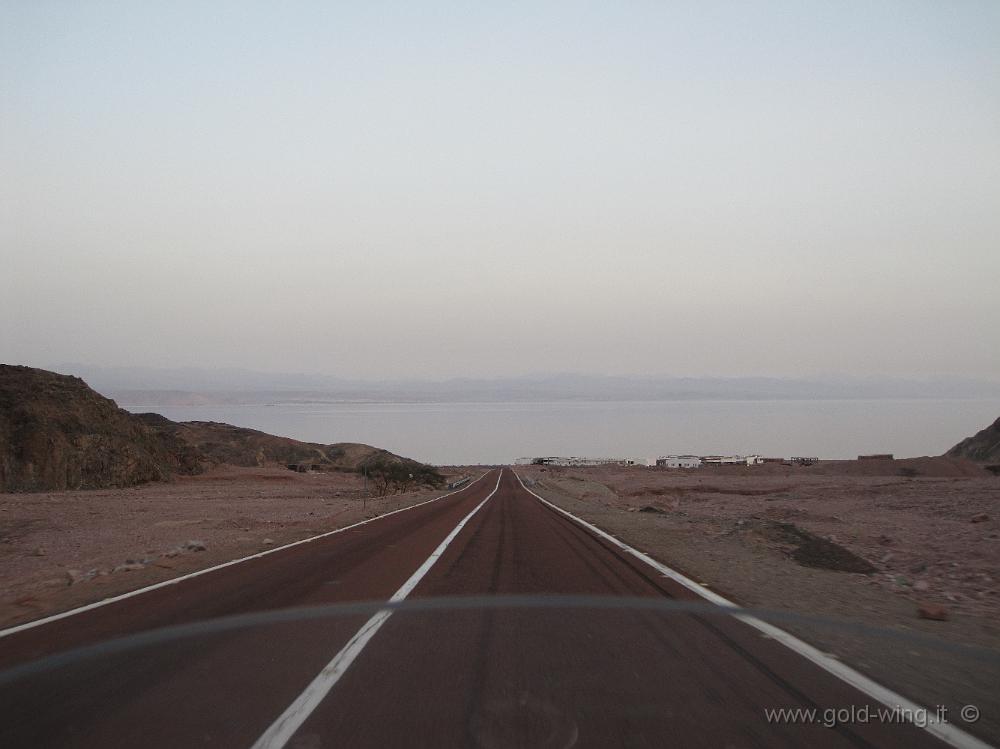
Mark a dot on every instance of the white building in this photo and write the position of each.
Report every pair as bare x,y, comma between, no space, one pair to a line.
555,460
679,461
638,462
723,460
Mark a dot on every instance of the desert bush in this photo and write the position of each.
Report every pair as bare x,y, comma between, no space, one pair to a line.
388,476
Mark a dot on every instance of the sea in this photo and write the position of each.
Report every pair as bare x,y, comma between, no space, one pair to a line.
495,433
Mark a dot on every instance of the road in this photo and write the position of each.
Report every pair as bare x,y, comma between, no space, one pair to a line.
490,677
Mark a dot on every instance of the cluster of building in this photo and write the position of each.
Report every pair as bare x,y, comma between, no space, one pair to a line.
697,461
572,461
668,461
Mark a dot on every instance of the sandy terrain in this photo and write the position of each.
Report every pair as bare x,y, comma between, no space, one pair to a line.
765,537
63,549
929,540
734,528
743,533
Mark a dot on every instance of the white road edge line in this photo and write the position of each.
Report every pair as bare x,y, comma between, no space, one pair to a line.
278,734
946,732
182,578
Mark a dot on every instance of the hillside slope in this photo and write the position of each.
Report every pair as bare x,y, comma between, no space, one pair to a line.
57,433
983,447
216,443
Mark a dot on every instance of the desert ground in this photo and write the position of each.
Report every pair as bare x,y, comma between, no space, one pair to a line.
839,539
63,549
907,551
783,539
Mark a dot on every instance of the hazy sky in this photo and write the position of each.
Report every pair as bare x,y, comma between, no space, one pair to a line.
441,189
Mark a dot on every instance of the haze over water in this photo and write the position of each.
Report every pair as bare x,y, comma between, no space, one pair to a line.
469,433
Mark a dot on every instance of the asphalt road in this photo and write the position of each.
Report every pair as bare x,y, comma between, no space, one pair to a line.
556,677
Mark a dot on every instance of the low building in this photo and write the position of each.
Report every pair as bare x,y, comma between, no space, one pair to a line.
679,461
754,460
636,462
877,456
803,461
723,460
556,460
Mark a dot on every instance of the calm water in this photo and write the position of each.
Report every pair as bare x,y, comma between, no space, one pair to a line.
457,433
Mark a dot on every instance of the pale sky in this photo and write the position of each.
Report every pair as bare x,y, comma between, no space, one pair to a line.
454,189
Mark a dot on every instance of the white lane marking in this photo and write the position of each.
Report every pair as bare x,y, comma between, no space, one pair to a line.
182,578
947,732
278,734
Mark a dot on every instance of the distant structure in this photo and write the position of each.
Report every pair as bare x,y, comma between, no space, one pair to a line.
723,460
668,461
555,460
678,461
877,456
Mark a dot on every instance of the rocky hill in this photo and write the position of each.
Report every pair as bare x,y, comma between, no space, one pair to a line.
217,443
983,447
58,433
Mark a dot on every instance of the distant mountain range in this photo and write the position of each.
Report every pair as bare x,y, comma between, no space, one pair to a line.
190,386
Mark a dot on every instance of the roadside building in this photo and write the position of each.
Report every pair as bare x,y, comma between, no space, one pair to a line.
679,461
558,460
723,460
877,456
803,461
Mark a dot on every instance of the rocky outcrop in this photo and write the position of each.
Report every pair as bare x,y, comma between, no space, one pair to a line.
216,443
983,447
57,433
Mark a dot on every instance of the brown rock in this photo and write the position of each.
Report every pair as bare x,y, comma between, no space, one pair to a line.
129,567
57,433
932,611
984,447
79,576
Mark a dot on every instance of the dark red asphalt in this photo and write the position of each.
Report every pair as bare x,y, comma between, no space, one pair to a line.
487,678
